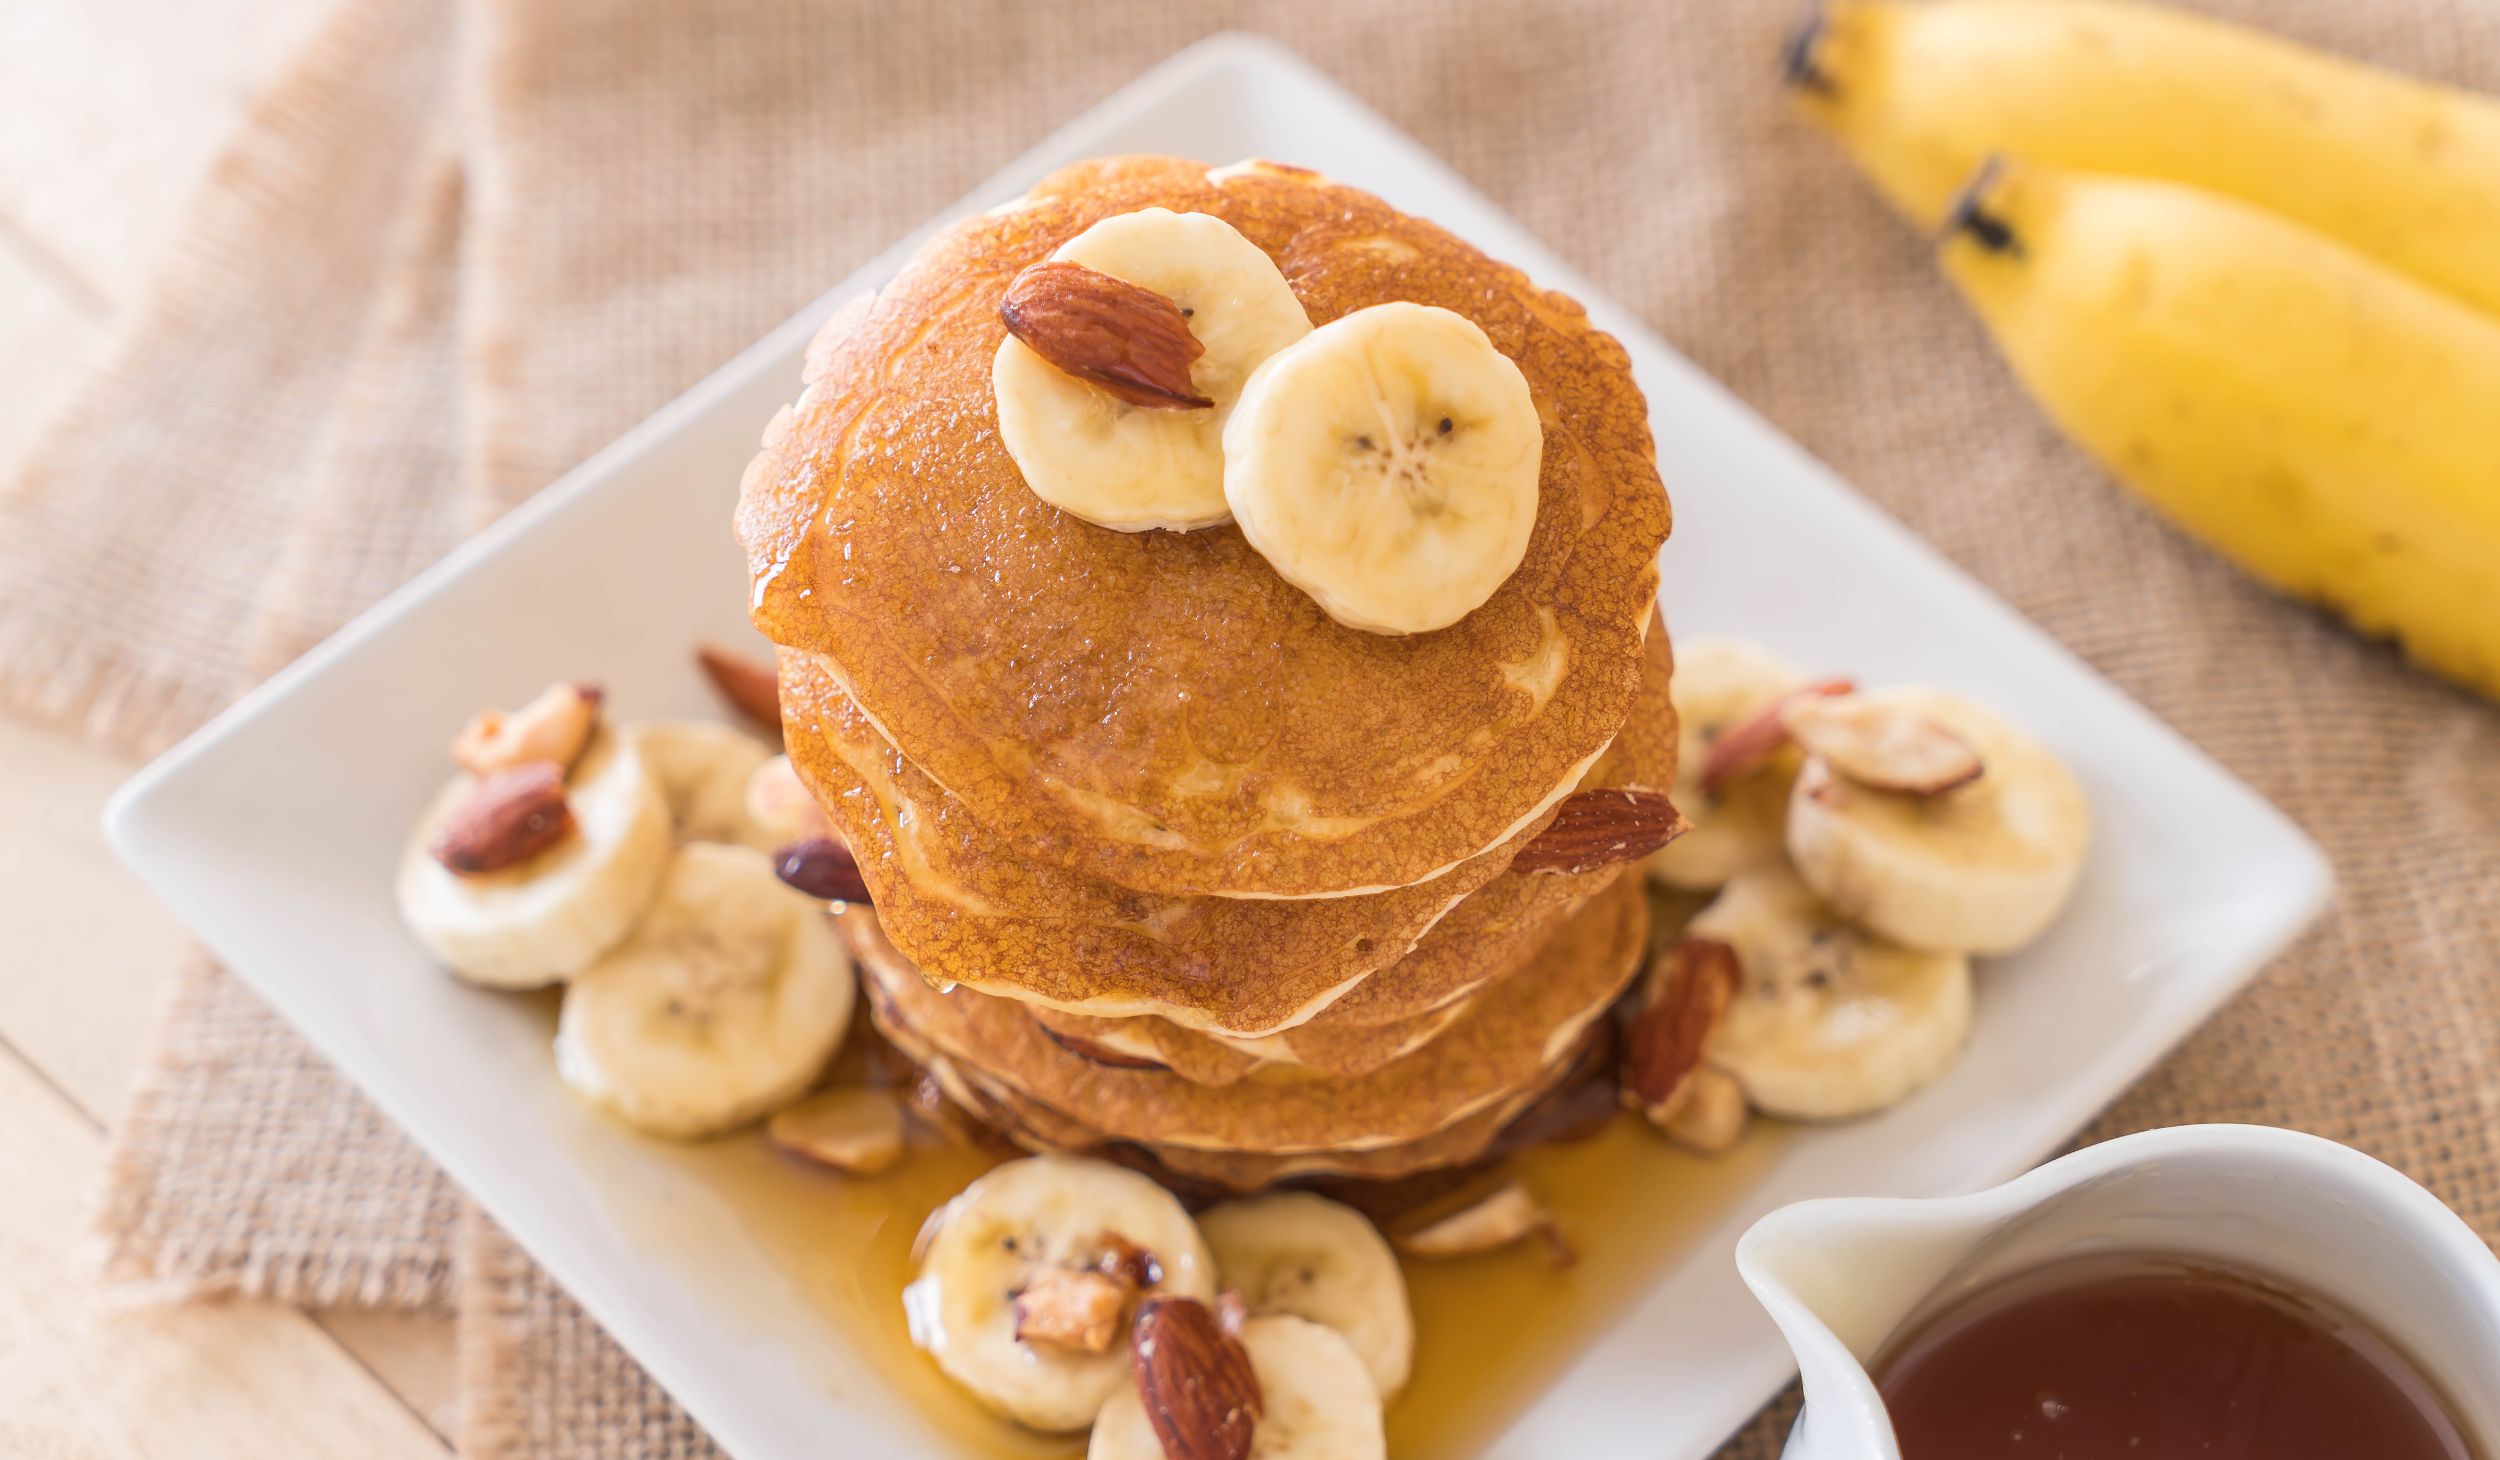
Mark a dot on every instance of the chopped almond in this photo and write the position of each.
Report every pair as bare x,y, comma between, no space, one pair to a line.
1744,746
1072,1308
858,1132
1506,1215
1712,1115
1885,747
552,728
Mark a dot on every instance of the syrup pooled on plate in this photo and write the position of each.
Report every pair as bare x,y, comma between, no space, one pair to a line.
2151,1358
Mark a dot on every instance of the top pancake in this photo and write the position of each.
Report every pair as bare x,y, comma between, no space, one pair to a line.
1161,709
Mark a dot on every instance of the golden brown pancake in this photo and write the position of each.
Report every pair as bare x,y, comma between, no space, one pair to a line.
1522,1026
1161,710
1208,1059
965,911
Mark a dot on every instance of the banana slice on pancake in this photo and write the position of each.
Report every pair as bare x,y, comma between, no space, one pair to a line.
702,768
1828,1021
550,916
1718,685
726,1002
1128,467
1387,464
1933,821
1296,1253
1029,1276
1314,1401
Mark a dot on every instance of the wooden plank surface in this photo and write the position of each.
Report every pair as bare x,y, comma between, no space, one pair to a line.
78,1379
112,107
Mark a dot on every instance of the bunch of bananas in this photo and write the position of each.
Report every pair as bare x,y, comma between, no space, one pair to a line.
2259,283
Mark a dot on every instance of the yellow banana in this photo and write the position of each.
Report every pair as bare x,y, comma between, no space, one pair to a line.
2403,170
2326,421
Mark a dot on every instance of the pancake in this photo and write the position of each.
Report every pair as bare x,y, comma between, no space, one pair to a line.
1534,1115
1211,1059
1161,710
1523,1025
1194,1057
965,911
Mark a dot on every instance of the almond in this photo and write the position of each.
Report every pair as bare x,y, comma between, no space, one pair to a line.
553,727
1129,1263
1884,747
822,867
1201,1395
1713,1114
857,1132
1101,1054
1130,341
1749,742
1072,1308
1599,828
1501,1217
504,820
1662,1051
751,685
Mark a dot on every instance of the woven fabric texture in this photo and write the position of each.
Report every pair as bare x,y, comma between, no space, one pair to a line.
455,249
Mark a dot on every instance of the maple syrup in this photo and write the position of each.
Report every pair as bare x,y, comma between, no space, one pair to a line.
1627,1201
2152,1358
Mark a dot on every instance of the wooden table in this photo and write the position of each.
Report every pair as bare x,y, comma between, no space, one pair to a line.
108,111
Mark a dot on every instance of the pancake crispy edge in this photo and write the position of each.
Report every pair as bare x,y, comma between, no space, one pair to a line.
1503,1045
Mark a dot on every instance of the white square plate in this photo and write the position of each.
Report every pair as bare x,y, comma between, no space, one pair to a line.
273,833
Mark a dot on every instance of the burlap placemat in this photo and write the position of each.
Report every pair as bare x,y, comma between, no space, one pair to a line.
361,342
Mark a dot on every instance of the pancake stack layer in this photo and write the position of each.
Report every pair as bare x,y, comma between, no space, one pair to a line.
1162,856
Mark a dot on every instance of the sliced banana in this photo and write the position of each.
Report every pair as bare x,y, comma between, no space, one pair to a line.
1027,1222
1120,466
551,916
1292,1252
1719,683
1982,868
1829,1022
702,767
1316,1402
1387,465
726,1003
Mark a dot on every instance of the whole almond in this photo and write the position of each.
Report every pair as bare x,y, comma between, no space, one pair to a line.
1663,1048
1600,828
822,867
751,685
504,820
1127,339
1201,1395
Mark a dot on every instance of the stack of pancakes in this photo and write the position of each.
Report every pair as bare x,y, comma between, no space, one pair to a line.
1161,855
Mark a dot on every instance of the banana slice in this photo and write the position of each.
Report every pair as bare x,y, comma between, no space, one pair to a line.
1720,683
1387,465
1292,1252
726,1003
702,768
1981,868
1132,469
1829,1022
551,916
1043,1224
1316,1403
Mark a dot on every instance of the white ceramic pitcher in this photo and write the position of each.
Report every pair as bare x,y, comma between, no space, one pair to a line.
1839,1276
